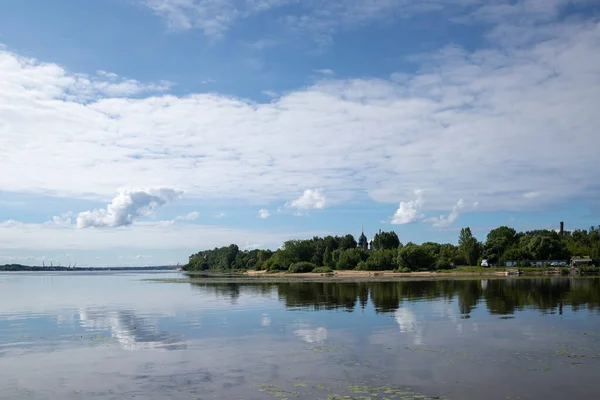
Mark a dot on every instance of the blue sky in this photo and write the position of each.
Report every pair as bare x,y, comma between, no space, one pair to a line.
137,132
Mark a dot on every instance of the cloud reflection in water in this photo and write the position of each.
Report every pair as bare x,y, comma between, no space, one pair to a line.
131,331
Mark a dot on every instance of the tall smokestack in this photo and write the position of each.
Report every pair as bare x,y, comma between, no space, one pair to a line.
562,227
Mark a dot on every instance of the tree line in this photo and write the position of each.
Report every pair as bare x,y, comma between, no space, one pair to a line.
323,254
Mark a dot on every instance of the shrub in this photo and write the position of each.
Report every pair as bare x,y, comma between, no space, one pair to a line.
404,270
589,269
362,266
349,259
322,270
273,264
302,267
381,260
443,263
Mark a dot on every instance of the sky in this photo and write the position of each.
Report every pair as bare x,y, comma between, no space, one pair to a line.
138,132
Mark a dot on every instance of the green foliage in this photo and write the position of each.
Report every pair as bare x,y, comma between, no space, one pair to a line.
468,246
443,262
361,266
335,257
544,245
274,264
347,242
322,270
328,258
414,257
350,258
497,242
589,269
341,252
386,241
294,251
302,267
381,260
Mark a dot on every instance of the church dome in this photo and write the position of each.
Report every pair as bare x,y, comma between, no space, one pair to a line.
362,239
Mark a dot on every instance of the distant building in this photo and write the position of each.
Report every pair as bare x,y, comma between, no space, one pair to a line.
577,261
536,263
364,243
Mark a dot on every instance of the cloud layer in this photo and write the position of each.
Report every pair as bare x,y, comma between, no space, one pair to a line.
126,207
494,125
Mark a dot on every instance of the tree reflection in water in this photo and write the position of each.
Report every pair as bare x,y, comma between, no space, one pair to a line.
500,296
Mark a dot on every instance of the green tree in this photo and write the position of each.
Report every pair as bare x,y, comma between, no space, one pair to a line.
350,258
498,241
331,242
294,251
469,246
415,257
381,260
347,242
328,258
386,241
544,245
318,245
516,253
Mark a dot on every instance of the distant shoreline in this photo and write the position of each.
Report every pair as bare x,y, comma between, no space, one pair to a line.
28,268
353,274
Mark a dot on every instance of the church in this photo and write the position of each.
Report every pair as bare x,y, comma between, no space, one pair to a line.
364,243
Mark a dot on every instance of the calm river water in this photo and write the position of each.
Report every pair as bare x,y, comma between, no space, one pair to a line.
116,336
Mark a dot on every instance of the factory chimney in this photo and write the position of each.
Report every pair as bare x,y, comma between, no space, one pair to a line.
562,227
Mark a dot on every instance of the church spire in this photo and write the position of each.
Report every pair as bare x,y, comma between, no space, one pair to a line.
363,242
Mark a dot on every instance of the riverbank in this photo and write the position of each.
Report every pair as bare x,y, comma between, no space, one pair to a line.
351,274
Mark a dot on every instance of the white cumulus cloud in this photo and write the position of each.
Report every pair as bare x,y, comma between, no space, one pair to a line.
409,211
64,219
311,199
11,223
445,221
264,213
126,207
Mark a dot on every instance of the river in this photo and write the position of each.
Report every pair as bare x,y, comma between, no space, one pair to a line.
118,336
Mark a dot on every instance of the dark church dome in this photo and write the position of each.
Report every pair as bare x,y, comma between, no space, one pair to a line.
362,239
